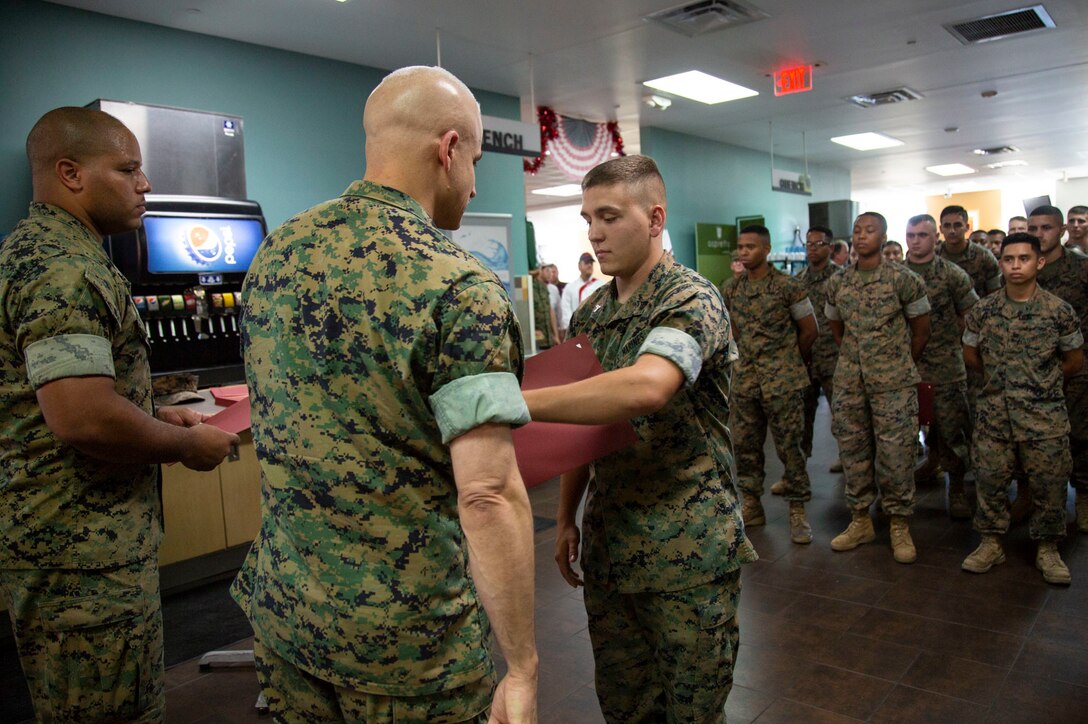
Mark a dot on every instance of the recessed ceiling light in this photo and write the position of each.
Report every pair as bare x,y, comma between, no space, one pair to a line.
1004,164
699,86
564,190
950,169
867,141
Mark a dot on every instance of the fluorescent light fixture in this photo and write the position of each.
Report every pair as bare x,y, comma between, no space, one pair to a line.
1006,164
867,141
699,86
950,169
564,190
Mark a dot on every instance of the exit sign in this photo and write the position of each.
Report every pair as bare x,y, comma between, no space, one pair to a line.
793,80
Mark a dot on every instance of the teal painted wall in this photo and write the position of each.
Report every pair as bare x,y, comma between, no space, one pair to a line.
302,114
716,182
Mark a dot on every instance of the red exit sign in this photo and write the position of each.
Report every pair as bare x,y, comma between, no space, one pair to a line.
793,80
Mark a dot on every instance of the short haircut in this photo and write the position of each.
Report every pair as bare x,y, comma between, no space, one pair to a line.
957,210
915,220
1048,211
822,230
879,217
71,132
1077,210
890,242
1022,237
760,231
637,172
838,245
1017,218
991,232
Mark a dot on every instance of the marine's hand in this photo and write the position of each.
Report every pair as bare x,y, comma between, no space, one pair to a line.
515,701
567,538
180,416
208,446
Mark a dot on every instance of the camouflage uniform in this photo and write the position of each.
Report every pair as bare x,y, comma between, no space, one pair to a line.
825,353
79,535
370,341
951,294
874,415
1067,278
769,379
663,539
1021,412
982,267
542,317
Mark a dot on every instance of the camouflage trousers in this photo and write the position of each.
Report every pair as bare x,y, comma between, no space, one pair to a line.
877,433
975,380
296,696
950,433
1076,403
664,656
812,403
1047,465
90,641
785,415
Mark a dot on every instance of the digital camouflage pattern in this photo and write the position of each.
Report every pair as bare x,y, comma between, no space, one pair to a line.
952,423
287,688
874,355
1067,278
90,641
820,383
1021,345
950,295
61,296
542,315
785,415
690,636
979,263
1045,462
662,515
362,325
825,353
874,414
762,314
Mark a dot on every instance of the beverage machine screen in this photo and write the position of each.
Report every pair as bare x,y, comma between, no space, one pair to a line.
176,245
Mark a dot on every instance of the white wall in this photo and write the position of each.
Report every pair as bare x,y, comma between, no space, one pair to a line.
561,237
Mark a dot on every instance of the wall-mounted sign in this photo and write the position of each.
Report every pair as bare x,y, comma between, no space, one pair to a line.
791,182
501,135
793,80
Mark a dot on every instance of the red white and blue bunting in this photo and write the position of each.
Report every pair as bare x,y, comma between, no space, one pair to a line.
574,145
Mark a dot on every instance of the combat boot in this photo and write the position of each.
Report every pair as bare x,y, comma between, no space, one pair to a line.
902,546
751,511
1048,560
1082,512
988,554
958,508
1021,507
800,530
859,531
779,488
836,467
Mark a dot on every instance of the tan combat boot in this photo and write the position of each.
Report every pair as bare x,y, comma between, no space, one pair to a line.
779,488
1082,512
1048,560
751,511
988,554
859,531
800,530
958,507
902,546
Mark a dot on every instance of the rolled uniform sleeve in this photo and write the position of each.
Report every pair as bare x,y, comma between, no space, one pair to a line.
801,309
963,293
1070,336
831,309
973,323
912,295
678,347
479,363
690,332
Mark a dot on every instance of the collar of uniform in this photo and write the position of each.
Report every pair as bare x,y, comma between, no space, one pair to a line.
645,295
82,240
1009,310
387,195
877,275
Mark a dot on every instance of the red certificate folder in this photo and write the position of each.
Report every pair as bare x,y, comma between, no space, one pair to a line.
233,419
547,449
227,396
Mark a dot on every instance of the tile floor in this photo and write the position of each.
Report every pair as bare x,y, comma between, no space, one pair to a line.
826,637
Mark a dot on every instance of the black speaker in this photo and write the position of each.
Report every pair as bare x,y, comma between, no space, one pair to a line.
836,215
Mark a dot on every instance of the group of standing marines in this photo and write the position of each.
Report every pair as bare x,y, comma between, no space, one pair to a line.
1004,376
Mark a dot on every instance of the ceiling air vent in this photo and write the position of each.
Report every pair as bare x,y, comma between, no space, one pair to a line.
707,16
1002,25
884,98
995,150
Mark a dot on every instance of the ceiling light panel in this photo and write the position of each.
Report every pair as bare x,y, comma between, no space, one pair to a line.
563,190
867,141
699,86
950,169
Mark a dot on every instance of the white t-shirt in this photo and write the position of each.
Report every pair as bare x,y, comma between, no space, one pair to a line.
574,294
